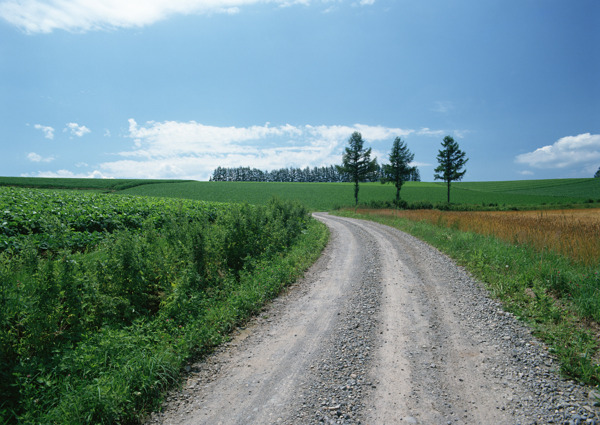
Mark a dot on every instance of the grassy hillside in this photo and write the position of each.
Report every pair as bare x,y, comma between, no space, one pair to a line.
107,185
328,196
582,188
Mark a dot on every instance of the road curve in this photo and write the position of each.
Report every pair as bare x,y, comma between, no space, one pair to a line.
383,329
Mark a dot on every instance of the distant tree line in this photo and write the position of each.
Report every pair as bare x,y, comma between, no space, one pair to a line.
357,166
330,174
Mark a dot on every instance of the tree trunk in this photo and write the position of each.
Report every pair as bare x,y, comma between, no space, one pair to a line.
448,191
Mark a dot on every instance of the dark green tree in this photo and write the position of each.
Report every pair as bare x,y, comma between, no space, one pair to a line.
398,170
451,160
597,175
357,162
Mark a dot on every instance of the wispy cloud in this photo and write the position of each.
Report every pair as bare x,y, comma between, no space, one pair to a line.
34,157
526,173
193,150
443,106
425,131
77,130
581,152
45,16
68,174
429,132
48,131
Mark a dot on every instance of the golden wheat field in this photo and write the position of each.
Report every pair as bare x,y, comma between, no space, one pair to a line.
573,233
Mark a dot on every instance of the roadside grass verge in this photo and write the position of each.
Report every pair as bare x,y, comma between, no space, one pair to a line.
558,297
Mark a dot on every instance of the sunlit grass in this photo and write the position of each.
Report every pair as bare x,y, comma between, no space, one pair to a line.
572,233
329,196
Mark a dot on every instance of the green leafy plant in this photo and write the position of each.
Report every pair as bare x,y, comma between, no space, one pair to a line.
94,334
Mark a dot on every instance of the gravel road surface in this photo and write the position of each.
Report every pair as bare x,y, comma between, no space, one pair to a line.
383,329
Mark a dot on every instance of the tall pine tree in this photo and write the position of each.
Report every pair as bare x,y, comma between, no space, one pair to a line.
451,160
398,170
357,162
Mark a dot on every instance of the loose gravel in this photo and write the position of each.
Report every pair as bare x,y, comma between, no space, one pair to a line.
409,338
339,378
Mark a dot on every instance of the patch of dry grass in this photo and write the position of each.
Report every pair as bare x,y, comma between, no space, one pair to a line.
572,233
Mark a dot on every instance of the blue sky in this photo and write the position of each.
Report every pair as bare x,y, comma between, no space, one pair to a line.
175,88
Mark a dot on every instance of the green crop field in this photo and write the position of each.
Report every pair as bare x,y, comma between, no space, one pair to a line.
106,185
54,220
578,188
327,196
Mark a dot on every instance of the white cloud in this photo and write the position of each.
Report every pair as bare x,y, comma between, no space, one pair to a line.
580,153
526,173
461,133
48,131
77,130
371,133
191,150
67,174
45,16
443,106
171,138
428,132
34,157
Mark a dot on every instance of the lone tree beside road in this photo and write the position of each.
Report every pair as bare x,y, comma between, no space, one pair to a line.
357,162
451,160
398,170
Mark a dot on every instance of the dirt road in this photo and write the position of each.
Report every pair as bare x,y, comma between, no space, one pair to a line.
383,329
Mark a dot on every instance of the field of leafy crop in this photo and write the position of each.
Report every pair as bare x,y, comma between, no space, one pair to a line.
77,220
103,298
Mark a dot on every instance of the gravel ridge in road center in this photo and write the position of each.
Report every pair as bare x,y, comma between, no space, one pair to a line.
339,378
